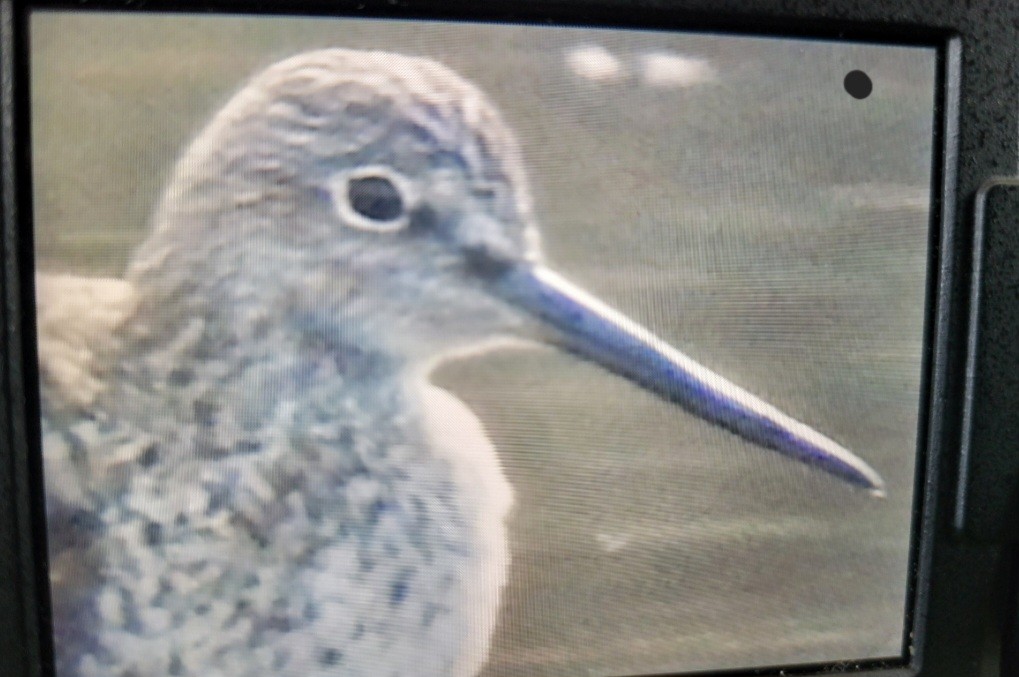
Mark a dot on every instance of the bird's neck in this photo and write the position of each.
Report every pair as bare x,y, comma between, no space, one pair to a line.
254,365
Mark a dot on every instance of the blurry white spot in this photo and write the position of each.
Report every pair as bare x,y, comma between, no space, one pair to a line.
593,62
155,620
110,608
610,543
665,69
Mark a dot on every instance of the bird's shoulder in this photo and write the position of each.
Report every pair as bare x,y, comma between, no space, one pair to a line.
76,320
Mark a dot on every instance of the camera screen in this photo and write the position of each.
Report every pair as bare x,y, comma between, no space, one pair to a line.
376,347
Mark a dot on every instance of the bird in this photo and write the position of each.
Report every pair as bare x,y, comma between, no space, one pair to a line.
248,469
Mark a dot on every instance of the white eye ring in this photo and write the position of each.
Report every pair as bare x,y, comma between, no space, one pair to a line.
375,198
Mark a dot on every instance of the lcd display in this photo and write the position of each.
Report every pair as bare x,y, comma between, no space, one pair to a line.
413,348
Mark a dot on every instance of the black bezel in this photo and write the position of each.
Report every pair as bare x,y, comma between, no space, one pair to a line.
959,583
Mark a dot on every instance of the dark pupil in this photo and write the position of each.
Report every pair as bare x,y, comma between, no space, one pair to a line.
375,197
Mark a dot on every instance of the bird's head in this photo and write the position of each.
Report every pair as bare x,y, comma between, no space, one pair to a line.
382,197
375,189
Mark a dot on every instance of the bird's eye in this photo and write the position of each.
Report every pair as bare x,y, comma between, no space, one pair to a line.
373,198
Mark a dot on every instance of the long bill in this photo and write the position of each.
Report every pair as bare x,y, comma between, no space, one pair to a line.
602,334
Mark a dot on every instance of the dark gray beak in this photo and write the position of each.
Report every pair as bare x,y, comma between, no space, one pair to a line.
586,326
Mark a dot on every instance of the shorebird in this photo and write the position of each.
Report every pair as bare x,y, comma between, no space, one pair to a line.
248,471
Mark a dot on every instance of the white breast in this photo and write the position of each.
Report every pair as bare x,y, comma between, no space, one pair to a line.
457,436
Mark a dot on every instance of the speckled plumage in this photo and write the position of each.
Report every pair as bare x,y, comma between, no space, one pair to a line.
242,481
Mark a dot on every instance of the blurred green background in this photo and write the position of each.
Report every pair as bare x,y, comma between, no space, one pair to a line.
761,220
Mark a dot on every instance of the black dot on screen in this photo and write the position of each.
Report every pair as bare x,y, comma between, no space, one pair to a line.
858,84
